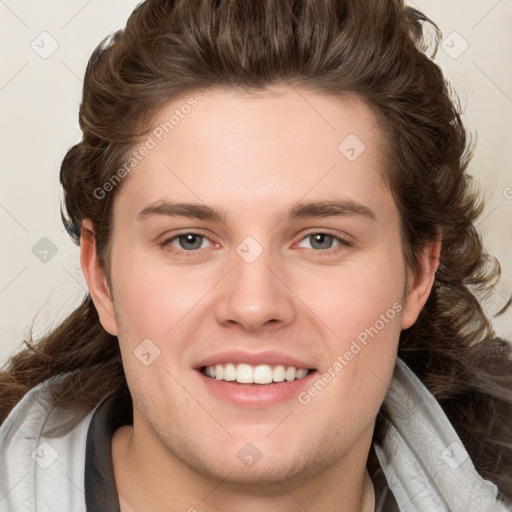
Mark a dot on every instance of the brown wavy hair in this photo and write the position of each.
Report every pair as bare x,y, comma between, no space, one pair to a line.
375,49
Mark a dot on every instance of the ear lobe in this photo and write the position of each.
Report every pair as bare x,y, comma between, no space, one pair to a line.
95,278
420,284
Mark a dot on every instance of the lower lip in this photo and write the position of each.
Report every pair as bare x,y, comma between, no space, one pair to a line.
256,396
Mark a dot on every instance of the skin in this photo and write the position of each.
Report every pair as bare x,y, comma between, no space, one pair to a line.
252,156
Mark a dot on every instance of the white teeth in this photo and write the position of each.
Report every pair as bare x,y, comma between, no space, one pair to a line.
301,373
278,373
290,374
261,374
229,372
244,374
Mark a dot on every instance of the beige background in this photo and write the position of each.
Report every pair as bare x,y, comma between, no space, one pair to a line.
39,100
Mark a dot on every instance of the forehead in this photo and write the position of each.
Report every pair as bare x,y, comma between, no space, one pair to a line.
265,148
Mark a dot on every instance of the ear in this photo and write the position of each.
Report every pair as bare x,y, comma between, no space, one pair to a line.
420,283
96,279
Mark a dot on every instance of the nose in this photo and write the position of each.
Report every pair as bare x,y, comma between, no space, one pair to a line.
255,296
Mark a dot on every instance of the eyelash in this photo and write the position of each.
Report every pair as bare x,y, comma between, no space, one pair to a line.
342,243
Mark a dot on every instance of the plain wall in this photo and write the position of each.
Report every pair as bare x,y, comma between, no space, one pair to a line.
39,98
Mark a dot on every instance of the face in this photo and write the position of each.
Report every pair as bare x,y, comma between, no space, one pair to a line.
258,283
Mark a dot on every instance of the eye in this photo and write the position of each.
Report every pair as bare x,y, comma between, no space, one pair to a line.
187,241
322,241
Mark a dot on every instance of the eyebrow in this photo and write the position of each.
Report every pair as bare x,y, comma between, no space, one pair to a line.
193,211
299,210
346,207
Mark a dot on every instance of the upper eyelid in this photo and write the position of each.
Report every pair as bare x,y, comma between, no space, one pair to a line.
325,231
339,239
169,239
166,237
342,238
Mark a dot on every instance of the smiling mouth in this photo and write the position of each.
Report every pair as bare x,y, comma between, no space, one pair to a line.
254,374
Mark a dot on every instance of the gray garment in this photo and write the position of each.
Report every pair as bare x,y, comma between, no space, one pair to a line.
423,458
43,452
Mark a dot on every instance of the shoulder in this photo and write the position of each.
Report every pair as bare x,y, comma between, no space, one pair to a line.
422,456
42,453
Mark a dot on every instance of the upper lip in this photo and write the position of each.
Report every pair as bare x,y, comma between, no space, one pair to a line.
254,359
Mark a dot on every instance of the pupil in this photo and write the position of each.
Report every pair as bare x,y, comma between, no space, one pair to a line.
190,241
321,241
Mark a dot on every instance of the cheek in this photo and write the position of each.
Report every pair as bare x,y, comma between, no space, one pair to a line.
150,299
360,306
356,295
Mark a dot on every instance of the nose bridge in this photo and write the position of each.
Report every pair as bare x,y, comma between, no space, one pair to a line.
253,295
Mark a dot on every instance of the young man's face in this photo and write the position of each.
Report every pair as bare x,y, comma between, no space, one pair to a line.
258,232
